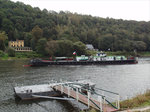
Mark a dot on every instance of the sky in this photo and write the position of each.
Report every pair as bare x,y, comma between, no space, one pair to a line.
138,10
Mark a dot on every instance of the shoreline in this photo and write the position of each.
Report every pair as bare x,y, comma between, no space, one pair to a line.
26,58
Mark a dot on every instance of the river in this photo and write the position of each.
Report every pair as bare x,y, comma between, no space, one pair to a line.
127,80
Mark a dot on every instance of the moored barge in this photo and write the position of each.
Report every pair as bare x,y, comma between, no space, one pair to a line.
85,60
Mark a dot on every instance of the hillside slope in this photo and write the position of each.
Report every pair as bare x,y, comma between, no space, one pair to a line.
21,21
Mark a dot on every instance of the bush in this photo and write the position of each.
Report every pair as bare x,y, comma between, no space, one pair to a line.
11,52
137,101
2,53
27,54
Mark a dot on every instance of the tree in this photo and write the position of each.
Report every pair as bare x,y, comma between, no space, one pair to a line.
51,47
11,52
7,25
139,45
146,39
106,42
40,48
65,48
3,38
27,39
2,53
37,33
16,19
80,48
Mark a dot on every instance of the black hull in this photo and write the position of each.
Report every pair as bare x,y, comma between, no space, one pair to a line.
104,62
28,96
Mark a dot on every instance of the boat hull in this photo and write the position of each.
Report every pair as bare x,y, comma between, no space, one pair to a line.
103,62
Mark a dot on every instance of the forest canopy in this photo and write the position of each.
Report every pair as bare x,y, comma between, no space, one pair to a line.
61,33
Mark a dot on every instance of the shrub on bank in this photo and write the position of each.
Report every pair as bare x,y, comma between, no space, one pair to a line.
27,55
138,101
2,53
11,52
120,53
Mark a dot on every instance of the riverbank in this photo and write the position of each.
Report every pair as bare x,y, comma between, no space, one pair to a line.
141,100
139,103
20,56
29,55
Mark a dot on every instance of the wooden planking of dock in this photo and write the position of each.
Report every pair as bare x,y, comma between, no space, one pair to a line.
84,99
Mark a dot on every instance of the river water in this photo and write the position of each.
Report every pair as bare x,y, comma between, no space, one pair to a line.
127,80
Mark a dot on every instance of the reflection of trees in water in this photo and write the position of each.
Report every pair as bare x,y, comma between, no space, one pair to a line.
12,65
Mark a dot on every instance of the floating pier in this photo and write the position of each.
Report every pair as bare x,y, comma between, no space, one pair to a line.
82,91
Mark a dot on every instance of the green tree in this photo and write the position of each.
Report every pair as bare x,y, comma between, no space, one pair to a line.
2,53
7,25
106,42
3,38
18,18
80,48
40,48
65,48
11,52
27,39
37,33
51,47
139,45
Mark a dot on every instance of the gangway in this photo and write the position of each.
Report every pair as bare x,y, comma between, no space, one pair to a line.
101,103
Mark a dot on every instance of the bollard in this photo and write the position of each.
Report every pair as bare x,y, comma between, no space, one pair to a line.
104,108
89,94
56,87
61,89
77,95
68,90
100,103
118,102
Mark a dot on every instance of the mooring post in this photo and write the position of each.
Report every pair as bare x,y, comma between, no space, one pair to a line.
118,102
61,89
77,94
56,87
89,94
100,103
104,107
68,90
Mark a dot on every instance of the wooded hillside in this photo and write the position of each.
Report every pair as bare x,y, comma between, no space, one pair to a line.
50,32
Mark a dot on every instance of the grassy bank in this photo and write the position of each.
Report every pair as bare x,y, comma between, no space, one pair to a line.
140,100
20,55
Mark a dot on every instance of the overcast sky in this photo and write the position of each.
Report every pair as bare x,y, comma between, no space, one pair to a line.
119,9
